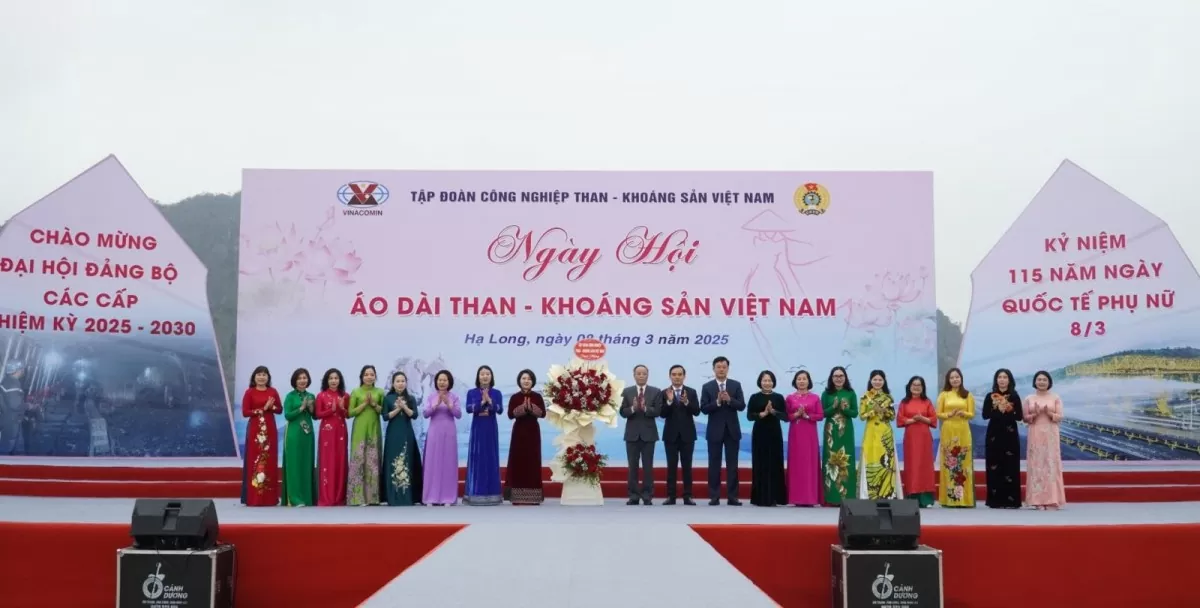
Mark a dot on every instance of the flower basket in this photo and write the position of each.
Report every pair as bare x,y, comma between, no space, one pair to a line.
581,395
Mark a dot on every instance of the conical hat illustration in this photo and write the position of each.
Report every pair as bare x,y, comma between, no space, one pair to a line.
767,221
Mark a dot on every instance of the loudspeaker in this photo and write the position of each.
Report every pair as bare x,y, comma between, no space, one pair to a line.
880,524
174,525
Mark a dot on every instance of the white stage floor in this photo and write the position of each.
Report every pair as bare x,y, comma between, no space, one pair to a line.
632,566
229,511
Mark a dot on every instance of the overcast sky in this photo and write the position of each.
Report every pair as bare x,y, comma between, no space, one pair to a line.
186,94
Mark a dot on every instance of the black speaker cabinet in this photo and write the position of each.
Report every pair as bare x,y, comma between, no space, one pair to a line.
880,524
175,525
176,579
886,579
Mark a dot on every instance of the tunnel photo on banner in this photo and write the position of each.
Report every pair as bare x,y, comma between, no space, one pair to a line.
1096,291
421,271
106,338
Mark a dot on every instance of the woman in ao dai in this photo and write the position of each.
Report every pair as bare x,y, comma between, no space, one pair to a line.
299,449
523,485
332,404
840,405
1043,459
804,449
261,471
918,418
1002,443
956,408
401,456
441,442
484,402
880,473
366,406
767,409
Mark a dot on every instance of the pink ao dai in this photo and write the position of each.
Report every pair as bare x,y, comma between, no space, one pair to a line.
804,449
1044,474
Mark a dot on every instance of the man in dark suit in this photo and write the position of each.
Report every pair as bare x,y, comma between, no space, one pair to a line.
639,408
721,399
680,405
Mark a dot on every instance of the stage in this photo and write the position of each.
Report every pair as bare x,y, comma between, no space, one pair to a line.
22,509
612,555
1086,481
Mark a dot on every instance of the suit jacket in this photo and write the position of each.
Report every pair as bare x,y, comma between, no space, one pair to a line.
680,422
723,419
640,425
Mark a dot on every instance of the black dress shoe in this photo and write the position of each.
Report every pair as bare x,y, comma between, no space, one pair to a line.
632,501
688,501
647,502
712,502
669,501
735,503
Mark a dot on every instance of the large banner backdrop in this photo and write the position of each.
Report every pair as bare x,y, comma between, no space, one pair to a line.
104,308
1092,288
422,271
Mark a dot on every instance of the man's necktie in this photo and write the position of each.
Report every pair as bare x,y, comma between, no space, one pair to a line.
641,398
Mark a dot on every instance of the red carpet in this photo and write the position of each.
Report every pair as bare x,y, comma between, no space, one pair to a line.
224,482
988,566
92,473
76,563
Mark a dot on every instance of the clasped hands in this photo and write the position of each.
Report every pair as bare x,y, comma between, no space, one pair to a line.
402,406
527,408
524,408
269,407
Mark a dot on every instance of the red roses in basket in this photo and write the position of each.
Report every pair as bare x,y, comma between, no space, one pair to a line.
584,462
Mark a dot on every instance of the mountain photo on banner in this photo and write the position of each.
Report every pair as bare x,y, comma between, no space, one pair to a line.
1095,290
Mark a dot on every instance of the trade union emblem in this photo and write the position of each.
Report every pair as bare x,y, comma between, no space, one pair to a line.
811,199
